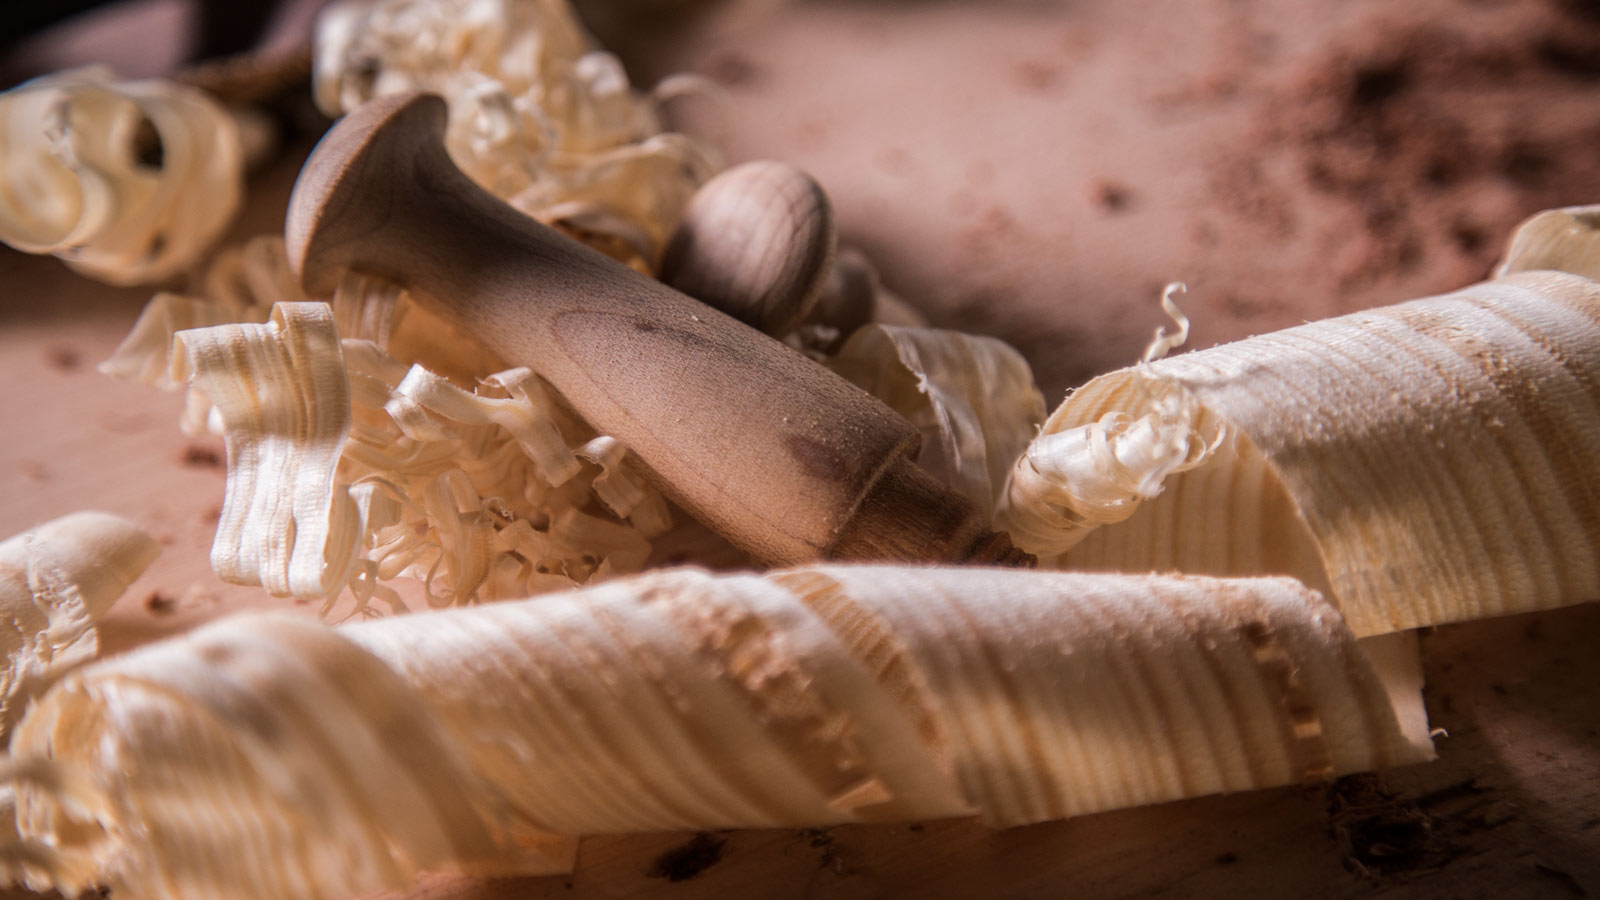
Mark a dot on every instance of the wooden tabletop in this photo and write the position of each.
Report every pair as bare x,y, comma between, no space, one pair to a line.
1512,806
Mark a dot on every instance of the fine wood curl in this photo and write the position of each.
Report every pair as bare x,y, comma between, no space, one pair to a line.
328,762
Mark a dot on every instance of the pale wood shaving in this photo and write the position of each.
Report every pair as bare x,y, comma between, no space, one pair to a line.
56,581
972,397
73,183
349,469
1424,463
1563,240
539,115
322,763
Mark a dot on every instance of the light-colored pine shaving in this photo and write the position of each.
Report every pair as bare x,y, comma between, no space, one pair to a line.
1079,478
621,488
347,468
973,398
424,403
1423,463
282,398
1071,480
330,763
143,355
240,285
56,581
128,181
539,115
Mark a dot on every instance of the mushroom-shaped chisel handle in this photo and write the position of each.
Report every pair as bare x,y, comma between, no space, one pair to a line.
785,459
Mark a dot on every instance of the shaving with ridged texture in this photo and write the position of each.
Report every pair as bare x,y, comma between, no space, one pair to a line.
240,285
681,700
144,356
1422,463
348,469
128,181
525,417
283,399
1075,479
56,581
622,489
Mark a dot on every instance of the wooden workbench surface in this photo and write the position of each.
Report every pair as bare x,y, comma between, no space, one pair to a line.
1511,808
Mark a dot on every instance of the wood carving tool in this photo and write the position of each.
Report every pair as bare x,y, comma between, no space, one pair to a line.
785,459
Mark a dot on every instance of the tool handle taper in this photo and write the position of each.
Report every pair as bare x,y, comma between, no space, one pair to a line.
782,457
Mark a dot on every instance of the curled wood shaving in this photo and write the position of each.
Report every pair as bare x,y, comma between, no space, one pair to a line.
424,402
1565,240
621,488
251,754
480,493
56,581
1423,463
1071,480
539,115
128,181
282,398
271,757
240,285
972,397
347,468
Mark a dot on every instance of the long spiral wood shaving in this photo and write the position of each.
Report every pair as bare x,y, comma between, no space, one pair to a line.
1422,463
272,757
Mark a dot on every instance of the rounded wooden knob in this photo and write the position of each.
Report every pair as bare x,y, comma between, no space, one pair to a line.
781,456
756,242
849,299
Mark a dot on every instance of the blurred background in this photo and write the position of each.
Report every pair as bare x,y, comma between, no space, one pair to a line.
1036,169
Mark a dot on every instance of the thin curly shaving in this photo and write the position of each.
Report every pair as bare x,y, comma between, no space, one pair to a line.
348,469
1073,480
539,115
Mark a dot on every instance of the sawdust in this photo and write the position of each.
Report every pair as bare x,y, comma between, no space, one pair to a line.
1389,836
1433,140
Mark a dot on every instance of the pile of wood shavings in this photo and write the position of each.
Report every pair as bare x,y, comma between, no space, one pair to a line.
456,494
539,115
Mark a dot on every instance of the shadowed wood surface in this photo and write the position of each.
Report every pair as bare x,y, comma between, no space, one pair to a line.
1511,808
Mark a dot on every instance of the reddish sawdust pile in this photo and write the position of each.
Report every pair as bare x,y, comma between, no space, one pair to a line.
1436,139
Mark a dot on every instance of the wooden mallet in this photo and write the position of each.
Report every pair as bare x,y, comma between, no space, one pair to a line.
786,460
